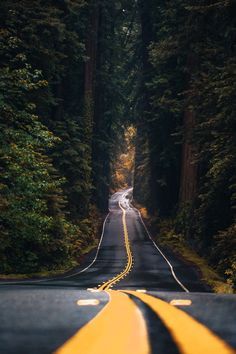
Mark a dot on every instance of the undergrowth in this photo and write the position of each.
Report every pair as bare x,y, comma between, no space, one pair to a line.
163,231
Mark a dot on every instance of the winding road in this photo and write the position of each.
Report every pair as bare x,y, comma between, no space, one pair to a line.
128,297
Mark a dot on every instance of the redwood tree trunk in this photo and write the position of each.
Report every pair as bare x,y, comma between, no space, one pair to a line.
188,181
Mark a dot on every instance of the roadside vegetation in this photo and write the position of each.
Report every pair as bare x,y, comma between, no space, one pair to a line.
64,101
186,142
96,95
165,235
49,208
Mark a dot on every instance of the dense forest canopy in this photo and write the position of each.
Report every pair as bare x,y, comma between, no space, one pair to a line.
83,84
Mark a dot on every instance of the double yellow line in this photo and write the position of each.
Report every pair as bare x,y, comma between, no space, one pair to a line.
108,284
120,327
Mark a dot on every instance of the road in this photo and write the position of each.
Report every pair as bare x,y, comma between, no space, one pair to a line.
129,296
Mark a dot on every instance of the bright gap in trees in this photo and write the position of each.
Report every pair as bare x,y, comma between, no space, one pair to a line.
123,167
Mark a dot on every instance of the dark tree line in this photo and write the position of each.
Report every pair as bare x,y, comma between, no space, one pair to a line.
63,97
45,168
187,125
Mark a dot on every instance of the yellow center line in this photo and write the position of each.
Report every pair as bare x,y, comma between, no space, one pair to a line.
190,336
118,329
107,285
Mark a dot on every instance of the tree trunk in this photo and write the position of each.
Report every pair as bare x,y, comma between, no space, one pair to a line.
91,51
88,117
188,182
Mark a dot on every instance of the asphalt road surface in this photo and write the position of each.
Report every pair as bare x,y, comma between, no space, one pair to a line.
129,296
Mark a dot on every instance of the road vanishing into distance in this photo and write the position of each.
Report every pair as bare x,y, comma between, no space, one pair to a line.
128,297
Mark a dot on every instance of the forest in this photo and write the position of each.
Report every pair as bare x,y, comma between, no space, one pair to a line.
96,95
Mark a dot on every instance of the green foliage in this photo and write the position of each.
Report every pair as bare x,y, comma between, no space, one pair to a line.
116,83
223,254
189,66
74,75
28,181
45,172
213,99
160,107
72,159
